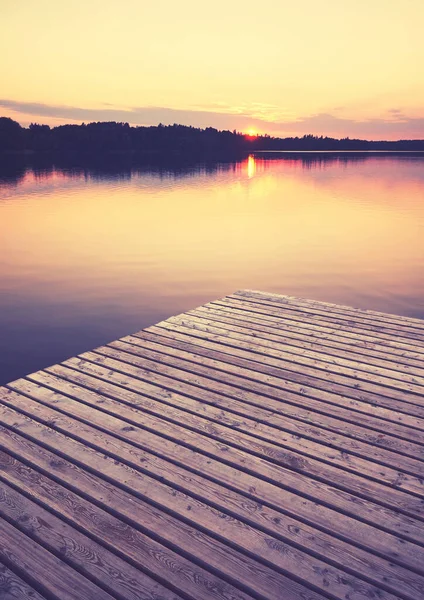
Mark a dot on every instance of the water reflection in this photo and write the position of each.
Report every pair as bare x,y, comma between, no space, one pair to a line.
88,255
251,166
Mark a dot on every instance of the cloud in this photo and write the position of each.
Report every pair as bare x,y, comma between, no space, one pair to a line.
146,115
396,126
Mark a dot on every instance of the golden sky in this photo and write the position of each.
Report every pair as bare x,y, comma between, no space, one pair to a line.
331,67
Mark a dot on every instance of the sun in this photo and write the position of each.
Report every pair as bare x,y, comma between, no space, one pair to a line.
251,132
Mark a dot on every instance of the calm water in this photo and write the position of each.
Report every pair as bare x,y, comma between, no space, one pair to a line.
86,257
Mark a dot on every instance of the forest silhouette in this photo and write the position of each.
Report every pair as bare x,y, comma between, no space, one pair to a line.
111,139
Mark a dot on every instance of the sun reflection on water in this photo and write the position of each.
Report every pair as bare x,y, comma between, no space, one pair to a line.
251,166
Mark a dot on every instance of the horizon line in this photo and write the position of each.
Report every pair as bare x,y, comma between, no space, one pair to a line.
237,132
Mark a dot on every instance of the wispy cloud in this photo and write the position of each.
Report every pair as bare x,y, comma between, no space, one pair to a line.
397,125
145,115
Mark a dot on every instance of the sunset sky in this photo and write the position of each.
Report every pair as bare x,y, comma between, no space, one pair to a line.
285,68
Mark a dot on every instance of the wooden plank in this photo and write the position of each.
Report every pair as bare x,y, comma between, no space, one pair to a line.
325,307
393,343
254,406
203,405
327,347
112,516
413,342
372,371
263,449
331,306
257,444
372,315
44,571
307,377
408,333
265,403
106,569
347,373
13,587
175,363
385,573
277,400
322,335
241,567
235,468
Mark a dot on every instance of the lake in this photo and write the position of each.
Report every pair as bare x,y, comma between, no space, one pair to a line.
88,256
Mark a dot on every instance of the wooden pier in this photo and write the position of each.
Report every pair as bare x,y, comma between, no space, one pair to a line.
259,447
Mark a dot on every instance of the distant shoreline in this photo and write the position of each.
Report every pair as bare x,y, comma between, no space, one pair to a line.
111,140
338,152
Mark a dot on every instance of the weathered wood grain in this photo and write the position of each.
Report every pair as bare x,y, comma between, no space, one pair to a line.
356,321
324,336
370,315
107,570
336,370
392,342
217,407
302,403
216,423
401,403
259,450
389,371
327,347
181,461
199,547
260,447
370,567
13,587
47,573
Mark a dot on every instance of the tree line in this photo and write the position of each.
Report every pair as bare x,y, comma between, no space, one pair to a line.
111,139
